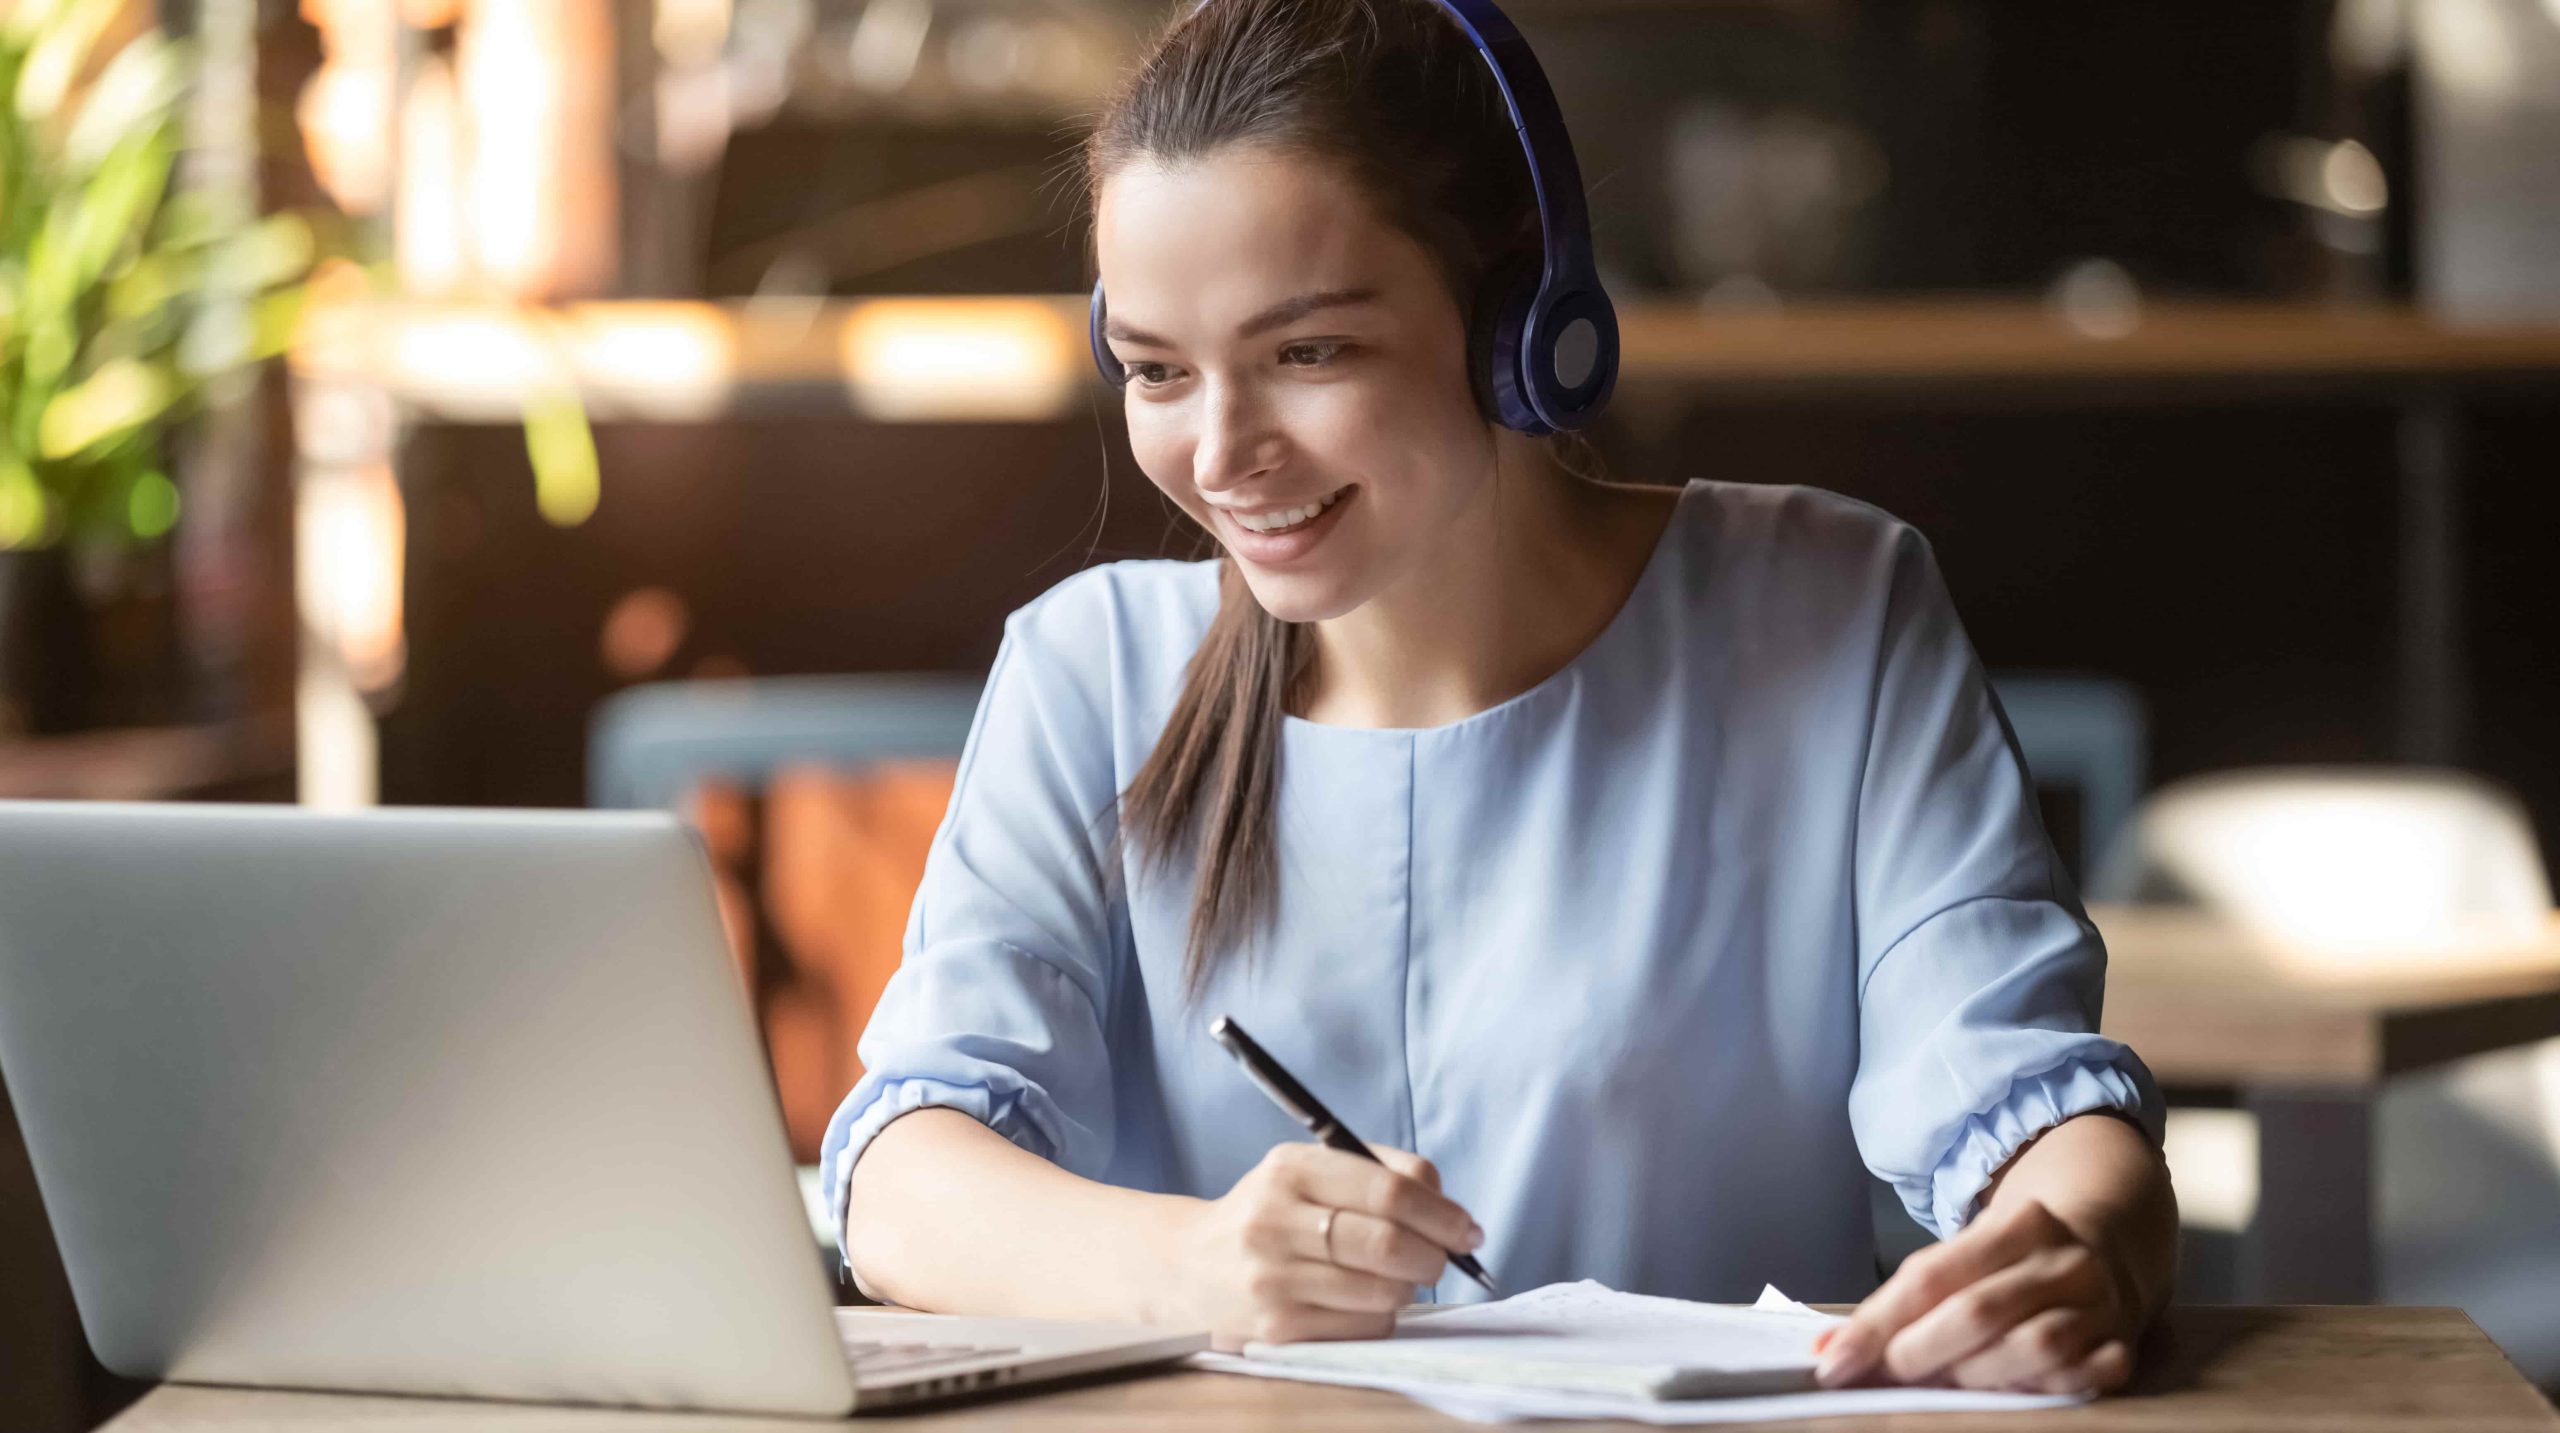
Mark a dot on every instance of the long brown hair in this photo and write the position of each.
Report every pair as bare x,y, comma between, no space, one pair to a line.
1394,92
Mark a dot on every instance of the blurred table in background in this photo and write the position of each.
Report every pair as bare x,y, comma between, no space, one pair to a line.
2304,1041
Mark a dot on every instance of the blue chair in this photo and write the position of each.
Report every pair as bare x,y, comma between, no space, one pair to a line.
649,745
2089,733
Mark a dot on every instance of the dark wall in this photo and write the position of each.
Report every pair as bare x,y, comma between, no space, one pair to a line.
2006,140
2235,562
797,545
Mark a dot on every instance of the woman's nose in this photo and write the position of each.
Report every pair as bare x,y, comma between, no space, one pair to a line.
1236,441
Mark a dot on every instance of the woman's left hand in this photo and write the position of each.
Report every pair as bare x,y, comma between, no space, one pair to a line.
2015,1301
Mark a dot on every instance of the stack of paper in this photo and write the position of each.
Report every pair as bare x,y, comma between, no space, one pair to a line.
1587,1351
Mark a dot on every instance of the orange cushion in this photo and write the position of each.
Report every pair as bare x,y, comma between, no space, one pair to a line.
835,858
844,853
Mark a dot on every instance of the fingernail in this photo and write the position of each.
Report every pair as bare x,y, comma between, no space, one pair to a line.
1475,1237
1822,1340
1840,1362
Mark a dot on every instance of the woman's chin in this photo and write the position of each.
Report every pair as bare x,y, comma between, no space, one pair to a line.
1299,596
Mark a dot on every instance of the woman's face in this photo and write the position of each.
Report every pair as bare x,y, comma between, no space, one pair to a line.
1290,354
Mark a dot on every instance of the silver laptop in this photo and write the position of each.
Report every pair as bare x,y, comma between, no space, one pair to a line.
434,1102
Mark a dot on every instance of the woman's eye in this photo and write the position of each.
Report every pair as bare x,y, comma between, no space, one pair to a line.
1148,375
1311,355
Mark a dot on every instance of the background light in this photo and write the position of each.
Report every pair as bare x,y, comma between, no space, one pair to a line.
960,359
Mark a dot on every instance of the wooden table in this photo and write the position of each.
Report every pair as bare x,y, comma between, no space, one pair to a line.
2305,1042
2316,1370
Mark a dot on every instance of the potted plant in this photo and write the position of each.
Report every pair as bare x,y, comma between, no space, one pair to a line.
126,303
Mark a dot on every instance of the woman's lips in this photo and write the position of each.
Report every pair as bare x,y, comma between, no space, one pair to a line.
1271,549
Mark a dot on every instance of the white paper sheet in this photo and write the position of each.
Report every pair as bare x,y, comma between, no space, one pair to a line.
1587,1338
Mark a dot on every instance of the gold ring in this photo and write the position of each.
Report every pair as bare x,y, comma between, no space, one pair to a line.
1324,1232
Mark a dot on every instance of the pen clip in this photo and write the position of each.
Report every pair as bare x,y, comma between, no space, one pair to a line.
1280,1097
1260,1068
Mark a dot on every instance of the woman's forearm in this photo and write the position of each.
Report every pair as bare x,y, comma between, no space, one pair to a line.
2103,1179
946,1215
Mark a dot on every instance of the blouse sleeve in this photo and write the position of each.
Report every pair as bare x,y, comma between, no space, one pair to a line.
1980,978
996,1006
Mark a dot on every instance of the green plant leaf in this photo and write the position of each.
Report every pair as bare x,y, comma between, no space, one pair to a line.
112,208
121,396
191,220
217,338
151,504
139,89
62,39
151,283
122,294
275,250
22,504
273,318
562,447
51,345
91,494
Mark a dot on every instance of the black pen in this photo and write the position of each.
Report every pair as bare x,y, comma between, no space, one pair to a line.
1307,1110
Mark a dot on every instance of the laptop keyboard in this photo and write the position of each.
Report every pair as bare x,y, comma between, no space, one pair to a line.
874,1360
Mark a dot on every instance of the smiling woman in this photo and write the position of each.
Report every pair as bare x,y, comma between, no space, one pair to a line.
1306,232
1651,858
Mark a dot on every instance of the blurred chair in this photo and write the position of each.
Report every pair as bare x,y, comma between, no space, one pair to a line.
2342,859
817,799
2365,866
2088,733
649,745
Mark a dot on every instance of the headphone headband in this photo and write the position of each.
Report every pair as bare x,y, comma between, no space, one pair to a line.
1549,359
1564,225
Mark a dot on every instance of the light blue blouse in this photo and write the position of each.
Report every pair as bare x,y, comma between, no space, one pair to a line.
1648,959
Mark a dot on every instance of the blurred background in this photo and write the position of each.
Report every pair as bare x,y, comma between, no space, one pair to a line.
661,402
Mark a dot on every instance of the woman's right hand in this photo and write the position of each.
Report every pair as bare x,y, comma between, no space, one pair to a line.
1263,1263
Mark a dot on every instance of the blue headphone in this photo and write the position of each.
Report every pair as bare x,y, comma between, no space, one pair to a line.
1543,339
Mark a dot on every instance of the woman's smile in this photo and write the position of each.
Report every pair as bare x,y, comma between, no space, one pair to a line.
1276,536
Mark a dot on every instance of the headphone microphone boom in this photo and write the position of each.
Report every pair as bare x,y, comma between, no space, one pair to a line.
1543,340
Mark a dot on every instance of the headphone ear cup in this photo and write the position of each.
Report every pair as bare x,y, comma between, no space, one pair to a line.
1095,313
1493,345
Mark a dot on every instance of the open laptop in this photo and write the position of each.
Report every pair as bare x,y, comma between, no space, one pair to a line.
434,1102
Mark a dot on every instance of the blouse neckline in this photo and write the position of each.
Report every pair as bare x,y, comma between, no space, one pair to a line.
1637,596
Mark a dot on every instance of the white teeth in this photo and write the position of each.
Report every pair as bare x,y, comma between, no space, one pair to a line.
1286,518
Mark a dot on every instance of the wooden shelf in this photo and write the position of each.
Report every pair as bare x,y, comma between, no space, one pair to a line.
148,763
1969,339
679,360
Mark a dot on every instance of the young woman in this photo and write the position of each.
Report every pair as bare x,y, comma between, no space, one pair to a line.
1648,859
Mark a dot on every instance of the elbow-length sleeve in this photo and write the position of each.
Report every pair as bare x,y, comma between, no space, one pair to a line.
1980,977
996,1007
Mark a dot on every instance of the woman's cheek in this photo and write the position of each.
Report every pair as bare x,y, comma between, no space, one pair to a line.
1164,460
1349,428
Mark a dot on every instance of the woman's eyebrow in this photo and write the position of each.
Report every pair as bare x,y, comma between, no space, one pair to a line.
1288,311
1292,310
